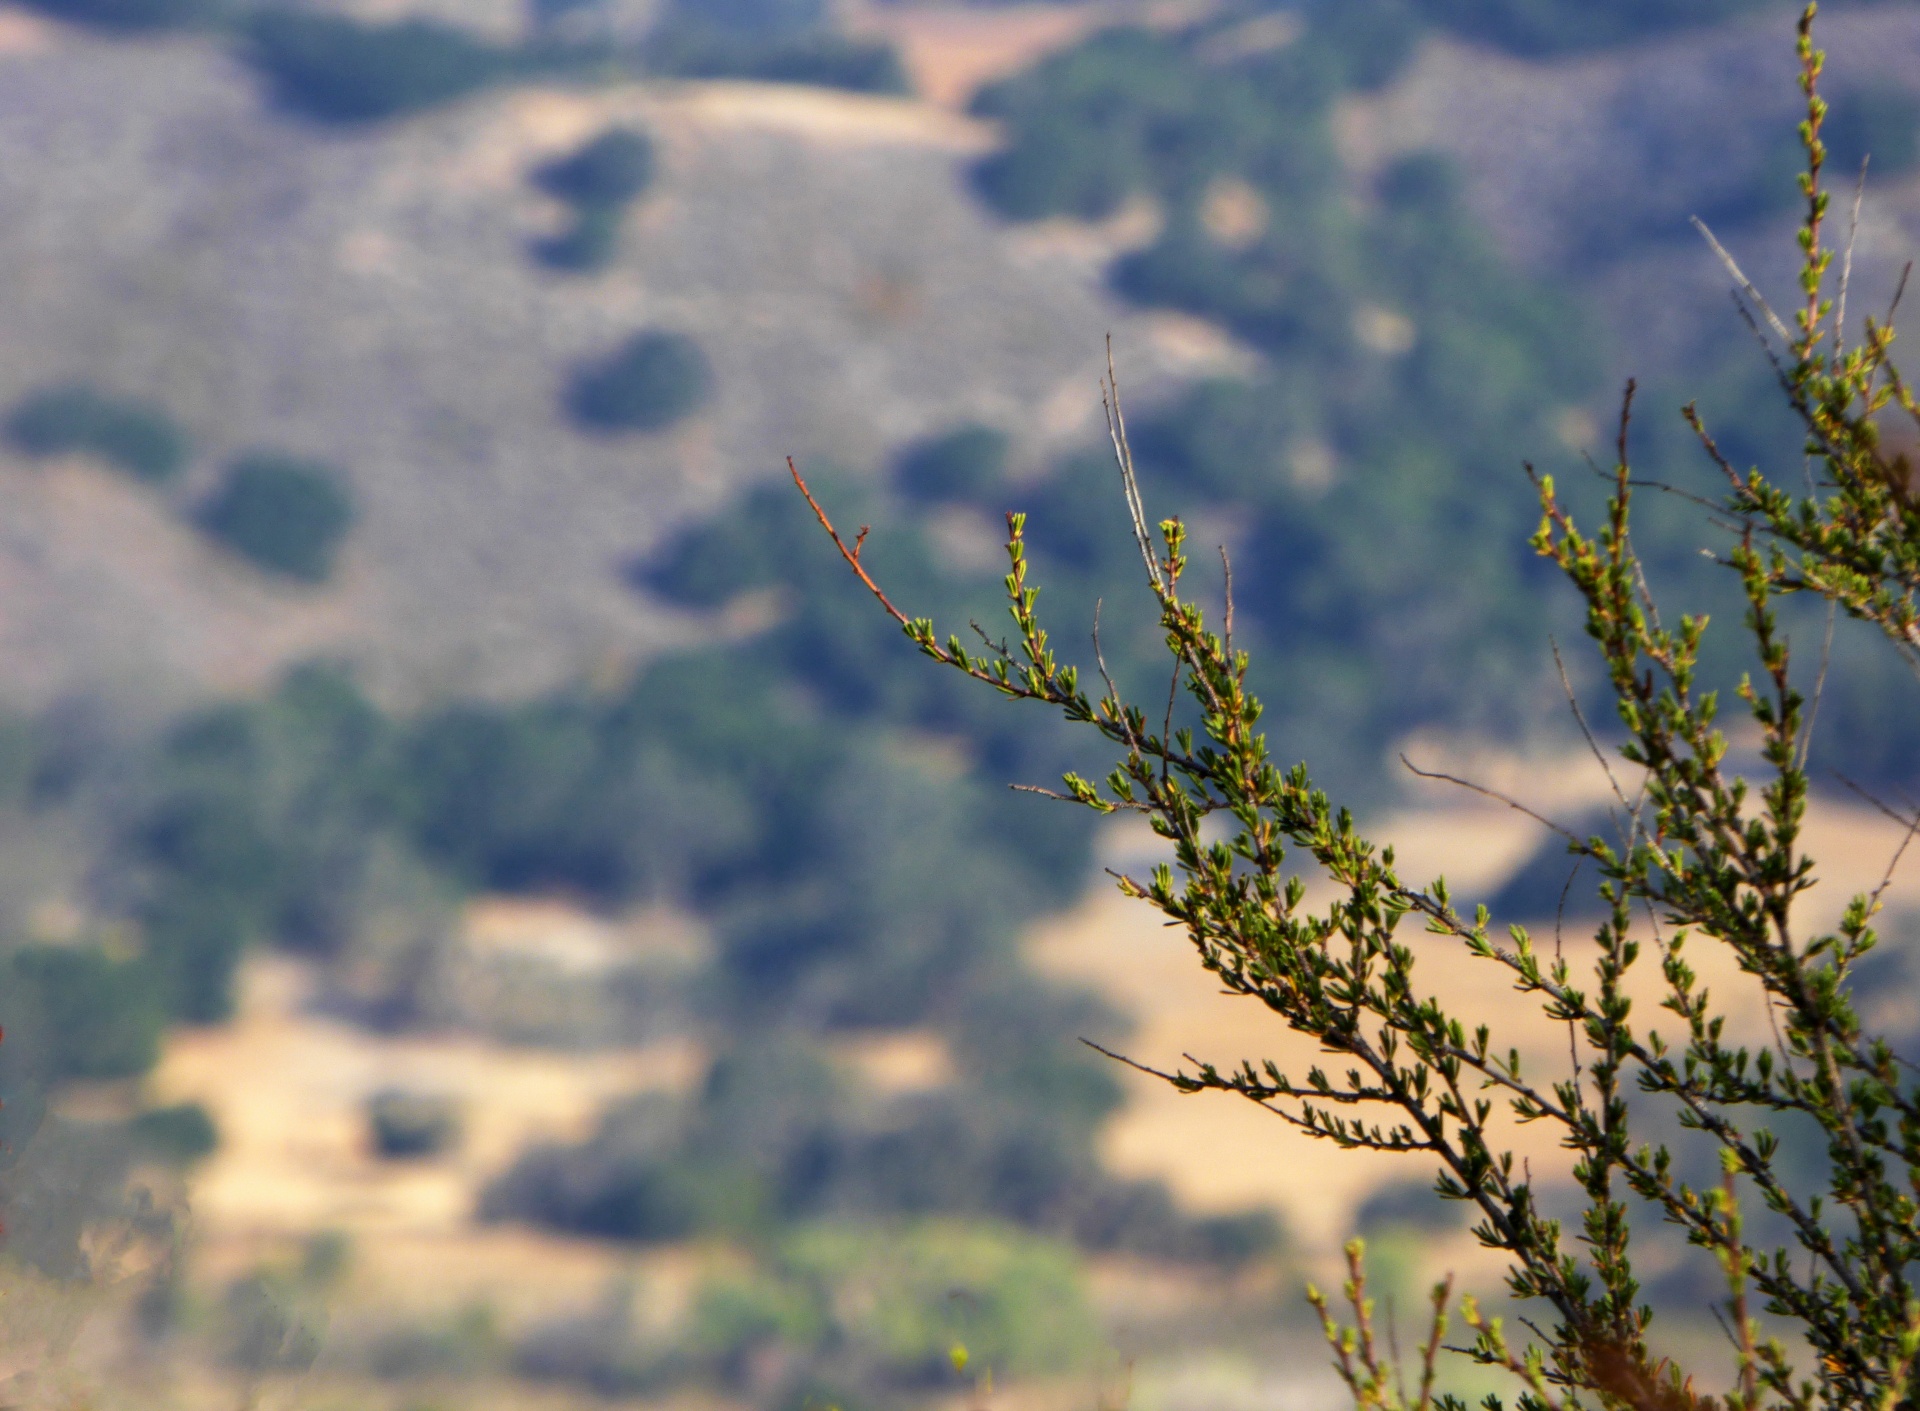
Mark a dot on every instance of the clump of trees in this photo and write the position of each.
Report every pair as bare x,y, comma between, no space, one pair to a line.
966,463
777,1137
78,418
339,70
598,182
283,514
777,41
650,382
135,16
335,69
1667,1120
853,1314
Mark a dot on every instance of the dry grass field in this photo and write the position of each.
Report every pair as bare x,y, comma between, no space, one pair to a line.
1220,1152
287,1083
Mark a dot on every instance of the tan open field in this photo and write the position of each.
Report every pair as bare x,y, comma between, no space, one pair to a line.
287,1083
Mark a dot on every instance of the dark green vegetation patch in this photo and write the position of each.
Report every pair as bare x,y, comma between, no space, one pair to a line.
134,16
284,514
335,69
180,1134
599,181
611,170
650,382
968,462
77,418
95,1015
1541,27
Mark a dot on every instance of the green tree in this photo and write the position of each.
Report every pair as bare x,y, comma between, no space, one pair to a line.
1700,855
286,514
130,435
599,181
650,382
338,70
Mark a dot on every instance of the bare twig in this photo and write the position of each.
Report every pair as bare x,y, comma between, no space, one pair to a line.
851,555
1846,263
1130,483
1746,285
1495,795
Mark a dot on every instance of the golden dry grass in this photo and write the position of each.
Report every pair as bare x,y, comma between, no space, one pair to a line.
287,1088
1220,1152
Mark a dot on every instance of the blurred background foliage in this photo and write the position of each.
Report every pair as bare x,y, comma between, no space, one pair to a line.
834,815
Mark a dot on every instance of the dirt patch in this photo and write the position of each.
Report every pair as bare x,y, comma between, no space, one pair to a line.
287,1088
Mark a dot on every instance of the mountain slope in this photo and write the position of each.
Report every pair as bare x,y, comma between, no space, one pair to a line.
369,299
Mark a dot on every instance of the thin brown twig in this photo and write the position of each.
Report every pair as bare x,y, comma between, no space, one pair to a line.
851,555
1429,1354
1819,686
1130,483
1493,794
1586,732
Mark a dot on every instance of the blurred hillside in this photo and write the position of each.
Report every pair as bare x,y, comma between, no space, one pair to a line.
368,298
472,859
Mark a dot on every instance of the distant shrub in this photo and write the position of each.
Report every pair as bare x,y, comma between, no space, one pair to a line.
335,69
194,941
750,17
136,16
958,465
284,514
404,1124
600,181
1122,113
1018,1301
463,1344
614,168
76,418
588,244
650,382
95,1016
824,60
179,1135
1555,26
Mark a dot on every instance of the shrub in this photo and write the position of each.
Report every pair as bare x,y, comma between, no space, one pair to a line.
779,18
194,941
131,435
904,1297
179,1135
600,181
962,464
404,1124
823,59
613,169
95,1016
283,514
650,382
1553,26
587,245
334,69
1710,857
134,16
